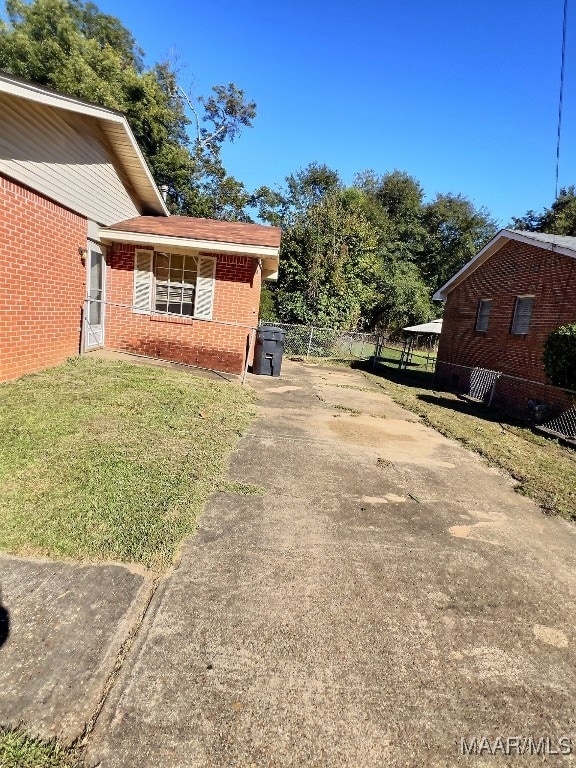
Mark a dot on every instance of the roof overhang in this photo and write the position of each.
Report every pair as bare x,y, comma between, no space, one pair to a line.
498,242
188,243
434,326
115,128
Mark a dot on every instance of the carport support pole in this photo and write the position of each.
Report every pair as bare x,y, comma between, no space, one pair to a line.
250,348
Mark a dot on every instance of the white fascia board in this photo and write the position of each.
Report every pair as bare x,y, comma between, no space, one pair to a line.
497,242
39,95
210,246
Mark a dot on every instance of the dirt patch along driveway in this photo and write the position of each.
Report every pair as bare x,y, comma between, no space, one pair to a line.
386,597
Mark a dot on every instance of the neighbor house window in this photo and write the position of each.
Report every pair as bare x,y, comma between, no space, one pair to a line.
175,284
483,317
522,315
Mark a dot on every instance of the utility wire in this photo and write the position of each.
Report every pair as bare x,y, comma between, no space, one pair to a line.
561,95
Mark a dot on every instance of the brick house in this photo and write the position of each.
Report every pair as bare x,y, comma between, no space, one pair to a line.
89,255
500,308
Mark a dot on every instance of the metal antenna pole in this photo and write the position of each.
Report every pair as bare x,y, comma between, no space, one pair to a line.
561,98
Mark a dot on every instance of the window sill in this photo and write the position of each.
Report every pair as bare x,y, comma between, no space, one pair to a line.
178,319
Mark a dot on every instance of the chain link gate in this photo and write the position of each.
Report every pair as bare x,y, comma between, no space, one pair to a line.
311,341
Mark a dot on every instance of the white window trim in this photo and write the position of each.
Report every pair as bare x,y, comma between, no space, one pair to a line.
514,316
203,293
169,283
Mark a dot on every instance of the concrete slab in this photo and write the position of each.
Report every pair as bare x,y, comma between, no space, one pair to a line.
387,597
65,625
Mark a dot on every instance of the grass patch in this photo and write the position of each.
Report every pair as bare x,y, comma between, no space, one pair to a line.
110,460
19,750
544,469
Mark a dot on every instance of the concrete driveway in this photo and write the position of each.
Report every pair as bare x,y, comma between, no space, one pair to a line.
386,597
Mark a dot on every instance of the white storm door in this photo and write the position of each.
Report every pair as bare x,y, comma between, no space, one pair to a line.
95,284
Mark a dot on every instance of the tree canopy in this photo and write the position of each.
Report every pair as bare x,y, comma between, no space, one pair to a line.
328,264
558,219
455,231
369,255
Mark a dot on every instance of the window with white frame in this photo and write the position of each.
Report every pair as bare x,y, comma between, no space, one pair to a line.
175,278
176,284
483,316
522,315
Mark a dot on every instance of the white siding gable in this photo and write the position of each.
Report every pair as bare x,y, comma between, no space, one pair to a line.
64,157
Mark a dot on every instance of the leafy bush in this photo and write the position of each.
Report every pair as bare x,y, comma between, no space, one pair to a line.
560,357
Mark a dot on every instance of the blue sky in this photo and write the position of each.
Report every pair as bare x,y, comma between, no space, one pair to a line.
461,94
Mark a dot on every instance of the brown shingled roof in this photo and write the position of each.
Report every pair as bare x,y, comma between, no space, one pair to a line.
202,229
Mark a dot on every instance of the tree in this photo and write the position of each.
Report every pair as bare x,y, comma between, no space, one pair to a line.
559,219
404,298
407,248
328,265
70,45
303,189
455,232
213,193
393,202
267,310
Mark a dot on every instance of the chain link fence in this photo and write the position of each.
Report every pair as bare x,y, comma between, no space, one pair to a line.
310,341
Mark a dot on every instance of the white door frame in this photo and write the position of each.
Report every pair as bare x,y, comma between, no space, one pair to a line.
95,313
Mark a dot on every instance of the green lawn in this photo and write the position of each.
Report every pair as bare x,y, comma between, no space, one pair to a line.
545,470
18,750
112,461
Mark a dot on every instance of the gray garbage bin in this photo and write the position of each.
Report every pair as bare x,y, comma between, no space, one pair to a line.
268,350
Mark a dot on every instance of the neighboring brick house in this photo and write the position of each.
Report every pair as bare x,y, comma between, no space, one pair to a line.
69,172
501,307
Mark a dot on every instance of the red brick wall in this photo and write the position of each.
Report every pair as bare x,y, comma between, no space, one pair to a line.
514,270
42,281
209,344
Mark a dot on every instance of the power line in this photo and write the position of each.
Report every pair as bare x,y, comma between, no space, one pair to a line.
561,95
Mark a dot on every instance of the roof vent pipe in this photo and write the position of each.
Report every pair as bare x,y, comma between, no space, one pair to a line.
164,191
